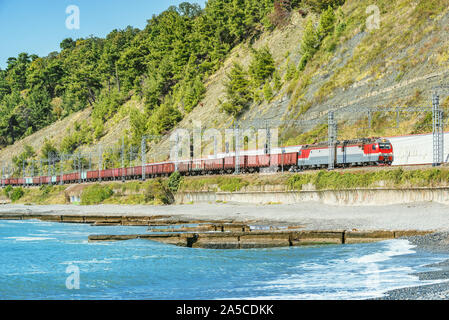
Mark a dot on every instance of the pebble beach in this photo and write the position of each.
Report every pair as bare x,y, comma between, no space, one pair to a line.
434,242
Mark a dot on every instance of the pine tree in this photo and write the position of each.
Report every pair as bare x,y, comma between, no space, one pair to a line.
237,91
310,41
261,66
267,91
326,24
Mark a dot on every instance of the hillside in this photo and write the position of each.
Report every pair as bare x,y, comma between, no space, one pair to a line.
350,66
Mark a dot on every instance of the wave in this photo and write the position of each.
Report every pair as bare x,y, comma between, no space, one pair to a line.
394,248
30,238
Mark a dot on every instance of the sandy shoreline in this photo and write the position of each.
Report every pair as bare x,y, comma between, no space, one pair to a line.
426,216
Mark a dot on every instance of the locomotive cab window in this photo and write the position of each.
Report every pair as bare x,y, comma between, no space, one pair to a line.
374,147
384,146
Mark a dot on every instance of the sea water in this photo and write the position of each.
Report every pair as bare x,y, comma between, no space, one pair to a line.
39,260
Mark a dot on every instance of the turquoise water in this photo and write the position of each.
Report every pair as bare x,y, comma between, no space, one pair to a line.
36,258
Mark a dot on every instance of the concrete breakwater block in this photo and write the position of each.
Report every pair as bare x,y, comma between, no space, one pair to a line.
266,239
207,227
113,237
234,240
168,238
368,236
101,219
73,219
105,220
372,236
10,217
51,218
316,237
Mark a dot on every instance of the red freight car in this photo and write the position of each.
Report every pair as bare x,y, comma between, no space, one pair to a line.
129,172
184,167
284,159
138,171
116,173
154,169
71,177
133,171
150,169
213,164
258,161
45,180
92,175
106,174
229,162
197,165
160,169
168,168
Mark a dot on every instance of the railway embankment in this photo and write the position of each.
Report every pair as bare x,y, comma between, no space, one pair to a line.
356,186
357,197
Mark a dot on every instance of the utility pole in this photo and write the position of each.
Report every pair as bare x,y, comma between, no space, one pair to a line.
143,155
176,151
438,131
32,171
282,161
61,168
80,168
23,172
237,146
100,162
50,162
268,138
41,173
3,174
332,133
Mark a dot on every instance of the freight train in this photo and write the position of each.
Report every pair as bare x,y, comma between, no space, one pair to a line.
349,153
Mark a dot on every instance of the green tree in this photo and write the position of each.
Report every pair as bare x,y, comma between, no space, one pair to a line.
321,5
237,91
23,158
327,23
267,91
174,181
261,66
16,194
48,149
67,43
194,93
309,44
